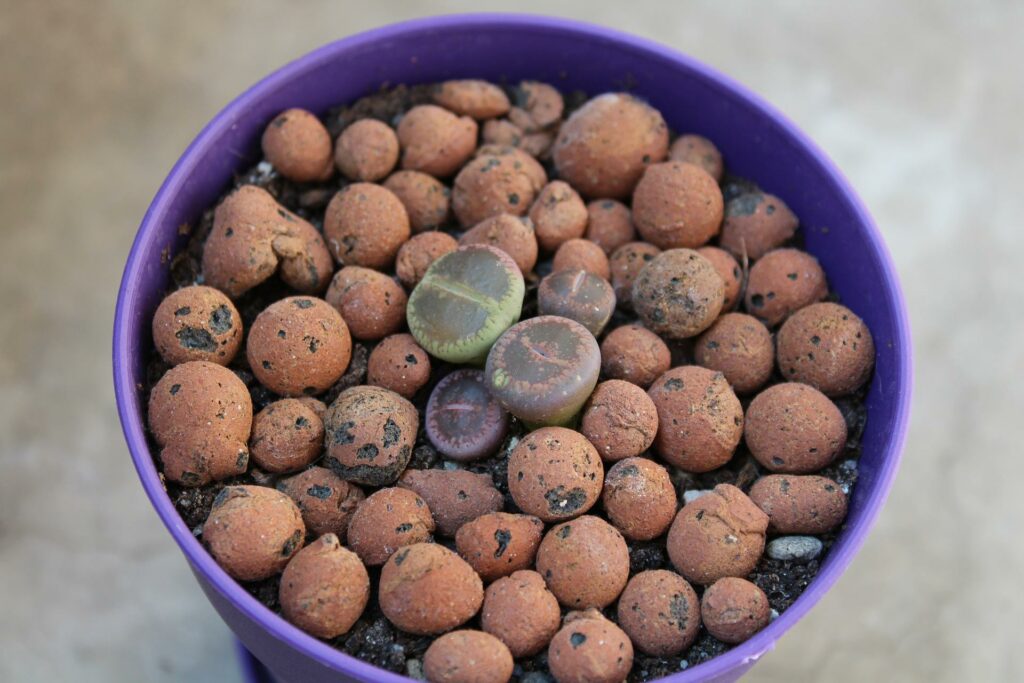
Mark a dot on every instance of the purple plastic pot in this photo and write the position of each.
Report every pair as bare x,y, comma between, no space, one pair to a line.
756,140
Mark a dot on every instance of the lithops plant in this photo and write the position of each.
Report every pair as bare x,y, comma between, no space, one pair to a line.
463,420
577,295
464,302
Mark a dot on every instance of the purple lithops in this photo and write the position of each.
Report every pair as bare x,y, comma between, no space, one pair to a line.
463,420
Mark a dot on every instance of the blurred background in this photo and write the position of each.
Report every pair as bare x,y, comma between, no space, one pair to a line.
919,103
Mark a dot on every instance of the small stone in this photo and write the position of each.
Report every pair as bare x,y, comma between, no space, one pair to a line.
690,496
794,548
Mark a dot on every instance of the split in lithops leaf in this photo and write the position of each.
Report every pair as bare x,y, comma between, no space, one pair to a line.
464,302
463,420
543,369
577,295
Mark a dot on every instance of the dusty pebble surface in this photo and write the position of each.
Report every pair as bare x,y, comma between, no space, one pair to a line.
619,419
794,548
781,282
468,656
197,323
324,588
514,235
754,224
416,255
497,544
660,612
371,303
634,354
609,224
741,348
287,435
555,474
729,269
678,294
400,364
585,562
590,649
387,520
521,611
827,346
639,498
733,609
454,497
625,264
326,501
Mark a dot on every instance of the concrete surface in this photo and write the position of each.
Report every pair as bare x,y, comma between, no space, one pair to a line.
919,102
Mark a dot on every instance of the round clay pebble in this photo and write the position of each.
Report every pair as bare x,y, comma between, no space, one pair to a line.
324,589
827,346
371,303
365,224
398,363
326,501
426,589
639,498
558,215
609,224
660,612
794,428
252,531
499,543
463,421
435,141
454,497
366,151
554,473
416,255
514,235
625,264
740,347
467,657
729,270
537,106
498,180
754,224
678,294
634,354
521,611
585,562
734,609
387,520
298,346
800,504
502,132
469,97
370,432
298,145
700,420
677,205
620,420
581,254
197,323
720,534
286,436
783,281
578,295
425,198
590,649
605,145
198,459
698,150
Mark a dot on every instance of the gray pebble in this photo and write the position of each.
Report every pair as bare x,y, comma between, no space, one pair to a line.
414,669
690,496
774,614
795,548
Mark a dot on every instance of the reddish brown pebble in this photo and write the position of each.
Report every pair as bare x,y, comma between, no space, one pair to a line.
698,150
197,323
578,295
607,143
387,520
326,501
729,270
416,255
734,609
783,281
427,589
324,589
365,224
700,420
739,347
634,354
502,132
554,473
625,264
794,428
455,497
253,531
558,215
498,543
585,562
478,99
800,504
298,145
298,345
399,364
514,235
467,657
678,294
581,254
425,198
435,141
366,151
286,436
371,303
827,346
538,106
677,205
521,611
590,649
639,498
498,180
370,433
756,223
620,420
609,224
660,612
722,533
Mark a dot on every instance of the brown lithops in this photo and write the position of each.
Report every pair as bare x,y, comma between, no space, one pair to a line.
197,323
590,649
520,611
455,497
625,264
387,520
698,150
739,347
734,609
499,180
467,656
367,151
398,363
514,235
800,504
365,224
435,141
426,589
584,561
639,498
827,346
554,473
634,354
783,281
794,428
324,589
326,501
425,198
371,303
499,543
619,419
677,205
660,612
678,294
298,145
287,435
416,255
558,215
755,223
609,224
728,268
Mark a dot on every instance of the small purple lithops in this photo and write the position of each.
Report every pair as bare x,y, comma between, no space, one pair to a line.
463,420
577,295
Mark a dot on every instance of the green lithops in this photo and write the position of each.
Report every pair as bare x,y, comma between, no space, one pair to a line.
464,302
